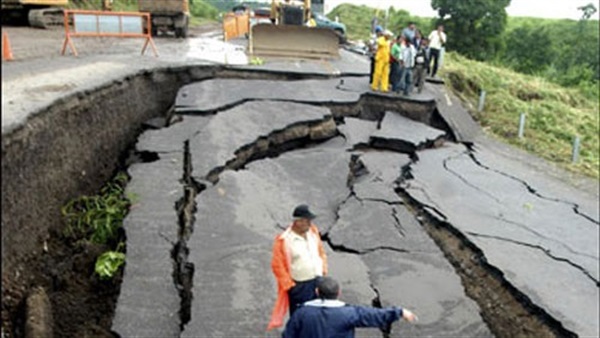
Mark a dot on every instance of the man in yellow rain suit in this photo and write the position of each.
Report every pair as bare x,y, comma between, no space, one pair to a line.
382,61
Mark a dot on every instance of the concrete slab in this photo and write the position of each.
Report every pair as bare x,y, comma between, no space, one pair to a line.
173,137
498,212
347,64
366,226
353,275
217,94
236,134
450,108
405,135
357,132
426,284
236,222
582,194
149,302
276,186
377,176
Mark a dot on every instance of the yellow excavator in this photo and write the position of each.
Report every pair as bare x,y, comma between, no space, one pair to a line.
39,13
289,35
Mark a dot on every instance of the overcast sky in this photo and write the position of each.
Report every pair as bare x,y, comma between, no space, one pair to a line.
535,8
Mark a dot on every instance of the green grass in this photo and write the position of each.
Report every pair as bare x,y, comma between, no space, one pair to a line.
97,219
555,115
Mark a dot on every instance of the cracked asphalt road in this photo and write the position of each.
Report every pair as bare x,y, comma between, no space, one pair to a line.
258,142
541,233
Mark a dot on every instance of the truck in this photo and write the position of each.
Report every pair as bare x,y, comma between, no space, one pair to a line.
167,16
39,13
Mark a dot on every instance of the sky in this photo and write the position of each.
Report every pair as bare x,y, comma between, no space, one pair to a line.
535,8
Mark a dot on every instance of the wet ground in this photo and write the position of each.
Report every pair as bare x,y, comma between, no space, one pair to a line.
413,201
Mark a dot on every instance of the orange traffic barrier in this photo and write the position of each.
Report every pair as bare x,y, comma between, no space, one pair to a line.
107,24
235,25
7,54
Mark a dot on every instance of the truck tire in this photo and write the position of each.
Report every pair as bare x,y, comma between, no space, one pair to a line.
182,31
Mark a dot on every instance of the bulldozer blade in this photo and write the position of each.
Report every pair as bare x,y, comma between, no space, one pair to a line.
293,42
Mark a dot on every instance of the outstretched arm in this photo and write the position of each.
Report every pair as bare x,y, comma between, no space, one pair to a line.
372,317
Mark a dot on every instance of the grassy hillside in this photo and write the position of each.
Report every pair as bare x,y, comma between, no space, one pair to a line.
554,114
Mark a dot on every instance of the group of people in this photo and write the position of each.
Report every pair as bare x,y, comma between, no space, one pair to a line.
404,61
299,264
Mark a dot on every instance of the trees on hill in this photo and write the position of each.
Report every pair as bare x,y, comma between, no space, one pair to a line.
474,27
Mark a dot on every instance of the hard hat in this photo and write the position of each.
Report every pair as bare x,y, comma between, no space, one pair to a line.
388,33
378,29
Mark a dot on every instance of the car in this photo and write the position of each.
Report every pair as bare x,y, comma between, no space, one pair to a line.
262,12
323,21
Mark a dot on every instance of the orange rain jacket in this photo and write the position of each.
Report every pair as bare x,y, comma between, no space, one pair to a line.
281,262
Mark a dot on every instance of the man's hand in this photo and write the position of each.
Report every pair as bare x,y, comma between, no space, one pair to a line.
409,316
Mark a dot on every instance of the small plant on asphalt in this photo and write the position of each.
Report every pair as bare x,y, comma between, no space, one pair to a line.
108,264
98,218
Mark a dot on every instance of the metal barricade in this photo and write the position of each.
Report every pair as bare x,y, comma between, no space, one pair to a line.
235,25
107,24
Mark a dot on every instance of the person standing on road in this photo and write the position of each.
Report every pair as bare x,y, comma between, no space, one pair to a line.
328,317
406,66
421,60
410,31
381,76
437,40
298,260
395,60
373,51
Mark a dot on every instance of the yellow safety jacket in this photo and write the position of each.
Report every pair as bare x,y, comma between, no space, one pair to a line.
383,50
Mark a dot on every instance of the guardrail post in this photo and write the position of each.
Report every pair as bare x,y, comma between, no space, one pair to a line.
521,125
481,101
575,154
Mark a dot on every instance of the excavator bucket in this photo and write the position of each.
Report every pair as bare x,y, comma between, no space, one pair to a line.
291,41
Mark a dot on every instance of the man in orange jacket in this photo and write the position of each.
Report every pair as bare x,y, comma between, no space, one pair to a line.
298,261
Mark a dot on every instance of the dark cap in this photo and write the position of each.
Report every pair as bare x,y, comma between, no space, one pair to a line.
302,211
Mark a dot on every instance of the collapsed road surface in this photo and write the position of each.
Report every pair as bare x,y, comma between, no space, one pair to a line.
415,206
225,178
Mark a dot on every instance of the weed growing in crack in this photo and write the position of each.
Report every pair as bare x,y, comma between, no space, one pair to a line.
108,264
98,219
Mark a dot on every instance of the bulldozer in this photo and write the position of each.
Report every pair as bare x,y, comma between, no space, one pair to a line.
36,13
39,13
167,15
289,37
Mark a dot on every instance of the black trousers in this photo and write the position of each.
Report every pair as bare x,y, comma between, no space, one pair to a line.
372,70
302,292
435,55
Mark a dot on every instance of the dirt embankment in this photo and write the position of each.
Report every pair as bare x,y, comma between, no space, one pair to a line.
59,271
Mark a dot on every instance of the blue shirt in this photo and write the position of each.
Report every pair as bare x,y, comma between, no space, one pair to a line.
409,33
334,319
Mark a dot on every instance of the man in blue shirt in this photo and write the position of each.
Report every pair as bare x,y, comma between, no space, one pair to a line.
327,317
410,31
